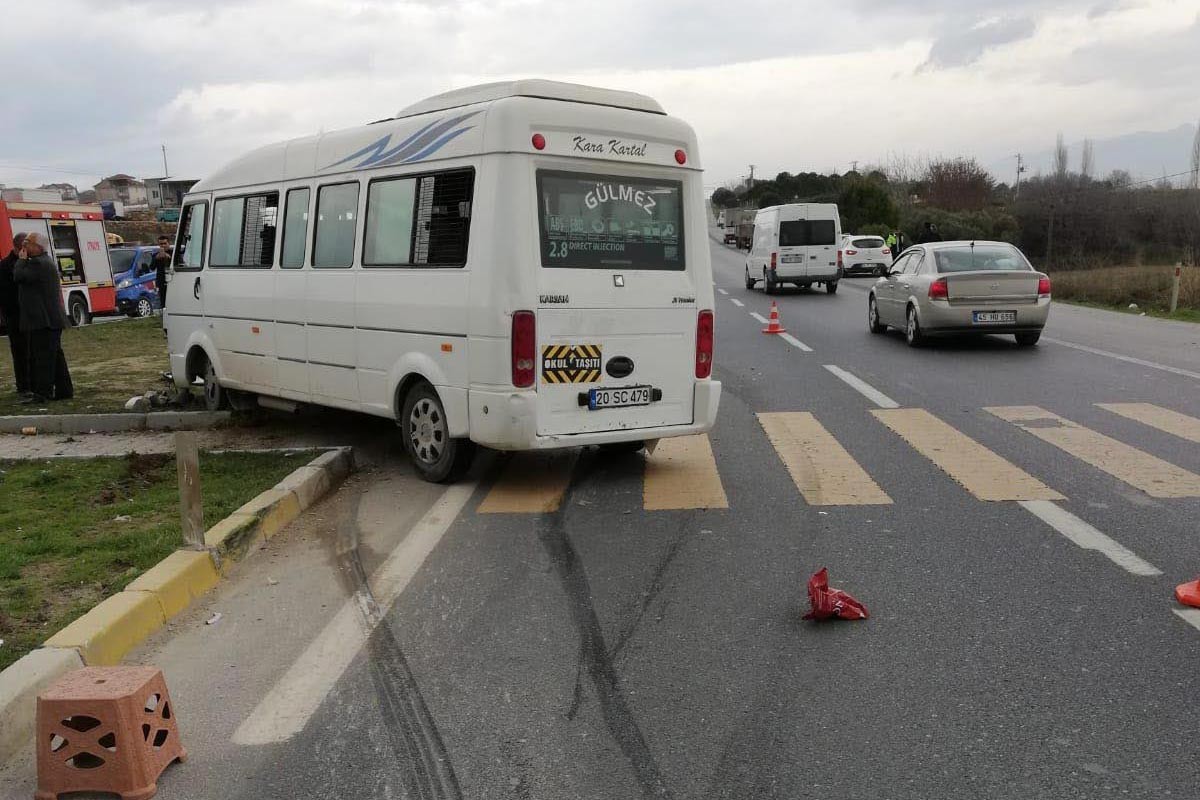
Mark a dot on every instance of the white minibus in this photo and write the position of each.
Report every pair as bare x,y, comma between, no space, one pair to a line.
795,243
519,265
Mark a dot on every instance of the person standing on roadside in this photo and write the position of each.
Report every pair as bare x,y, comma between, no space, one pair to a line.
39,291
162,262
10,312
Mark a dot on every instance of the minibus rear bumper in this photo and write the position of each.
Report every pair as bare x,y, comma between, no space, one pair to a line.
510,422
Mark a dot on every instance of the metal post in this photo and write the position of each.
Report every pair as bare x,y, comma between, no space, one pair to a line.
1175,288
1050,238
191,512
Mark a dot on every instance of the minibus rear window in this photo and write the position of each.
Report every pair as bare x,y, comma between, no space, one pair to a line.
610,221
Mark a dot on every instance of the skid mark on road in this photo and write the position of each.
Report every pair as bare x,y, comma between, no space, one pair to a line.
981,472
1087,537
594,654
682,473
1164,419
1140,470
296,696
822,470
531,483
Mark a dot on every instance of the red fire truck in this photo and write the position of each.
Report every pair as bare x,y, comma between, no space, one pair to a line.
77,244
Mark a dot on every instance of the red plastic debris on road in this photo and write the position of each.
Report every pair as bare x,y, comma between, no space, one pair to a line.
830,603
1189,593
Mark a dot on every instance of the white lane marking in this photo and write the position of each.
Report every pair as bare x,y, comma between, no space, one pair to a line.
1189,615
1130,359
737,302
759,317
862,387
722,291
297,695
794,342
1087,537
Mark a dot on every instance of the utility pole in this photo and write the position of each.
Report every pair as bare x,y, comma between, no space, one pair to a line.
1050,239
166,172
1020,169
751,176
854,166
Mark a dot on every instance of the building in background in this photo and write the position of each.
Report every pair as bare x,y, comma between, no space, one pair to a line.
125,188
167,192
43,195
68,191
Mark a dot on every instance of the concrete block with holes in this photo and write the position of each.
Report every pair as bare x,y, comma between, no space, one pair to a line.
106,729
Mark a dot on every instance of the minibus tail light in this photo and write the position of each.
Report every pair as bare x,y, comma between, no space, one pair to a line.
774,259
539,142
704,344
524,347
680,157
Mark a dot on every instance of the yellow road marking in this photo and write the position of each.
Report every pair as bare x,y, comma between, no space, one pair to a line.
532,483
820,467
682,473
980,471
1164,419
1152,475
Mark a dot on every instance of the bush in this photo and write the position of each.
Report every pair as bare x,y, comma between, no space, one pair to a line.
1149,287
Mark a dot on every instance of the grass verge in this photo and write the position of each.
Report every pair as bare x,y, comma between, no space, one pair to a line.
1116,287
109,362
73,531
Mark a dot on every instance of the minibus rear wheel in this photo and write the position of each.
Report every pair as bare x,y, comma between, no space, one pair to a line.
437,457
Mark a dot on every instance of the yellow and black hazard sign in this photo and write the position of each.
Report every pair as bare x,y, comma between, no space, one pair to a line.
571,363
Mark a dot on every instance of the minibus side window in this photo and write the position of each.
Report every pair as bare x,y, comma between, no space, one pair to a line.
244,231
333,236
189,249
387,241
295,229
419,221
443,218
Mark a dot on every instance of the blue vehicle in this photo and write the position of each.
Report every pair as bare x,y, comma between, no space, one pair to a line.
133,273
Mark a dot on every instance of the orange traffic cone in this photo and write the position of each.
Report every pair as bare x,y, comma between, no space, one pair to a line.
1189,593
773,325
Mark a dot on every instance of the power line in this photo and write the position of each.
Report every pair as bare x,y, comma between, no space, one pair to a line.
46,168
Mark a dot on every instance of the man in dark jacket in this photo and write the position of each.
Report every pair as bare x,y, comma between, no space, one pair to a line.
929,234
39,291
10,312
162,261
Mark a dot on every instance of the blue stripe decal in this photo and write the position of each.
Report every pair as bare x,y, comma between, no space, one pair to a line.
421,144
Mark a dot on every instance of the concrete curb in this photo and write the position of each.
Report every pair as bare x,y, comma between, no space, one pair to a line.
112,423
104,635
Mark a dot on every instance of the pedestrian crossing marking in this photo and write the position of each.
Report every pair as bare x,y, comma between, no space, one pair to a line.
1139,469
532,483
1164,419
822,470
682,473
980,471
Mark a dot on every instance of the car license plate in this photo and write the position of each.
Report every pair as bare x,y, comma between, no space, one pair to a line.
619,397
994,317
791,259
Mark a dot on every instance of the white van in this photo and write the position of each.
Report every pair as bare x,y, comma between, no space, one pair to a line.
520,265
795,243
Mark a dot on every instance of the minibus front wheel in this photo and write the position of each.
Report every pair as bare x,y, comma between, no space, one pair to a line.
437,457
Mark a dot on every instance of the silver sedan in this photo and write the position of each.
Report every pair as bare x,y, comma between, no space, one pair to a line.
961,287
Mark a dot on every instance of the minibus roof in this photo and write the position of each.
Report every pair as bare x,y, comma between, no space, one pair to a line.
550,90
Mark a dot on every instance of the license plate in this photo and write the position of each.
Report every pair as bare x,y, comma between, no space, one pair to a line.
791,259
994,317
620,397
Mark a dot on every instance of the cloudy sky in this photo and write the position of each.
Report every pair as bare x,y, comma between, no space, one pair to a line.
783,84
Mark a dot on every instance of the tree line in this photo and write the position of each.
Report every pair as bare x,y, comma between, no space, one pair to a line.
1067,219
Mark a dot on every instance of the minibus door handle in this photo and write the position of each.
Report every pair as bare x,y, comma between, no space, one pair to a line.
196,288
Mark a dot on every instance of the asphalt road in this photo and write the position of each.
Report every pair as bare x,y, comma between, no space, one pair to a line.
603,649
